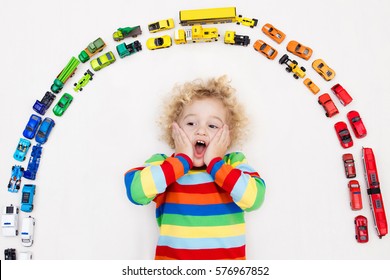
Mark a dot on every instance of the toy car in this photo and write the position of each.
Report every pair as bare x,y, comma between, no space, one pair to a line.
159,42
10,254
349,166
16,178
357,124
328,104
128,49
311,86
355,195
28,193
27,231
44,130
232,38
361,232
292,66
343,134
126,32
25,256
42,106
323,69
63,104
299,50
83,81
342,94
32,126
275,34
9,220
33,164
92,49
22,149
374,192
161,25
265,49
246,21
103,61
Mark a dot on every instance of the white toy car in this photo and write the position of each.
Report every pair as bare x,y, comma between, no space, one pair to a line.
27,231
9,220
25,256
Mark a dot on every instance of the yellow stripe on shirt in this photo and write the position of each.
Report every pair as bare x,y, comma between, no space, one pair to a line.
202,232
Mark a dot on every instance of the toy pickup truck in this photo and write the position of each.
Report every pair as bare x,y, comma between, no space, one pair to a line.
126,32
41,106
128,49
92,49
65,74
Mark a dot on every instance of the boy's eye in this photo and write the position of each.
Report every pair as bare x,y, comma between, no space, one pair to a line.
213,126
190,123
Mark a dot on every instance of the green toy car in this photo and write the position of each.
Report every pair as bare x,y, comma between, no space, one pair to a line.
63,104
103,61
83,81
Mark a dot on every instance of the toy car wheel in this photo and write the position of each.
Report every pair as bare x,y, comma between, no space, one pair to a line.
295,76
16,232
81,89
288,69
303,69
283,59
75,84
326,114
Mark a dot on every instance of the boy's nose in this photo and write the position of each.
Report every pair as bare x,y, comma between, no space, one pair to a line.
201,131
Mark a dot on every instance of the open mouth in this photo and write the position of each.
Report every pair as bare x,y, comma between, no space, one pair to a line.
200,148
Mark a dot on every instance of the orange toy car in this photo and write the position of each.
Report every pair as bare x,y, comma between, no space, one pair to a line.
324,70
312,86
299,50
265,49
275,34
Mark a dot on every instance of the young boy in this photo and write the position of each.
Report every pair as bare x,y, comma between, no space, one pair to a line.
200,192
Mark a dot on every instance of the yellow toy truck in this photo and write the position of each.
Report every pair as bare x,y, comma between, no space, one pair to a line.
196,34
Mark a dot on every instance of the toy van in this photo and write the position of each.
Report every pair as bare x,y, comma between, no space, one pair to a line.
27,231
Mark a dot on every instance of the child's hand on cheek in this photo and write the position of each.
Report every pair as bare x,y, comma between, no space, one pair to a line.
218,145
182,143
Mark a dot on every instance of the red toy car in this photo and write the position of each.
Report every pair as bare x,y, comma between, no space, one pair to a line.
361,229
374,192
355,195
343,134
349,166
328,104
341,94
357,124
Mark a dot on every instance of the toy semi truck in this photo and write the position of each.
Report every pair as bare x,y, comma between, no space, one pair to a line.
65,74
126,32
196,34
128,49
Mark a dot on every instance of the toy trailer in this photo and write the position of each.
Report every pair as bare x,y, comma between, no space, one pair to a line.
128,49
65,74
196,34
126,32
374,192
33,164
208,16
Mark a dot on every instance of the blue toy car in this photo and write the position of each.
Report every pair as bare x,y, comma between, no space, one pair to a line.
44,130
22,149
41,106
28,193
32,126
33,163
16,178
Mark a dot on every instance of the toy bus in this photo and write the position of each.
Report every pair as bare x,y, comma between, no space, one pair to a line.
208,16
374,192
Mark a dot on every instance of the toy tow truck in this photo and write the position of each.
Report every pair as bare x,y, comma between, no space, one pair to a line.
196,34
128,49
292,66
42,106
374,192
65,74
126,32
233,39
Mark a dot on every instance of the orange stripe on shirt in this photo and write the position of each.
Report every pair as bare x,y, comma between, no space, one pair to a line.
198,199
178,167
222,173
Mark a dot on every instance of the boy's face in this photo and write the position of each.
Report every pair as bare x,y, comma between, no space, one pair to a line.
200,121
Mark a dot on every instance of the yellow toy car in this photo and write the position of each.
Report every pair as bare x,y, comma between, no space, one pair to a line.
323,69
275,34
103,61
265,49
159,42
299,50
311,86
246,21
161,25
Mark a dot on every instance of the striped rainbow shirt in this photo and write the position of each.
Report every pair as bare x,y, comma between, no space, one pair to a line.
200,213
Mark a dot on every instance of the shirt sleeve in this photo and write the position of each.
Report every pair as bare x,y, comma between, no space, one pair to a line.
144,183
234,175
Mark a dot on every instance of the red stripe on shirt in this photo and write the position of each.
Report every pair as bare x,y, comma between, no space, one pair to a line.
165,252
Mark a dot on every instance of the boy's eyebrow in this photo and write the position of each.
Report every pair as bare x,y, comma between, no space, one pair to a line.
194,115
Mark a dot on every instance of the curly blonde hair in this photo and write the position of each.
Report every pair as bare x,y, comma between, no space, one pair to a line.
218,88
